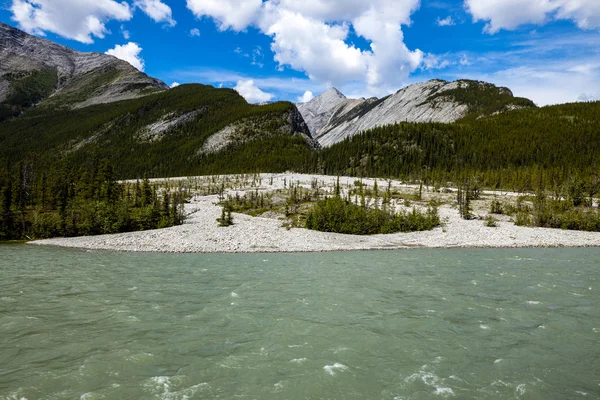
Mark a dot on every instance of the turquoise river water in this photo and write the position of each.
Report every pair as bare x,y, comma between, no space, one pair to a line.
419,324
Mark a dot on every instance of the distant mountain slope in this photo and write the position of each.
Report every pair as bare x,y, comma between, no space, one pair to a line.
171,133
34,70
332,117
556,146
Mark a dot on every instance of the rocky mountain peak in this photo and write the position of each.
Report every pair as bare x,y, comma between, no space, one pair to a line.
332,117
66,77
319,110
333,93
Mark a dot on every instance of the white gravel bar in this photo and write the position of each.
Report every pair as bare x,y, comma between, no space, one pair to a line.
201,233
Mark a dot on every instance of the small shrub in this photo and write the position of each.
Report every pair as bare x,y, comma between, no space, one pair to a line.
226,217
490,221
523,219
496,207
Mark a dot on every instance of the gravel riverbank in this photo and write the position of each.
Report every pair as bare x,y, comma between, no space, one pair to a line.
201,233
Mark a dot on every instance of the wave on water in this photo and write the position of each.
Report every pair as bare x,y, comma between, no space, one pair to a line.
331,369
163,386
432,380
293,346
18,395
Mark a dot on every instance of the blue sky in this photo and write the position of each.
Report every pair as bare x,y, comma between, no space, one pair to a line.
547,50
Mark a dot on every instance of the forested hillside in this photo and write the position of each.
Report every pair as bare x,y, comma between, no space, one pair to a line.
163,134
520,150
517,149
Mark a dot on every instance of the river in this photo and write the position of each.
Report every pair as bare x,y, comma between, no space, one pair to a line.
418,324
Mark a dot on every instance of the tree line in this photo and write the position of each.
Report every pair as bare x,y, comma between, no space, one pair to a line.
40,201
557,147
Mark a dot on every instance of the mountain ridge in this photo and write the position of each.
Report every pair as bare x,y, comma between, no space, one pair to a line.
335,118
64,77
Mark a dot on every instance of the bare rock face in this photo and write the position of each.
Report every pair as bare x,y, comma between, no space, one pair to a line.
332,117
82,79
319,110
290,123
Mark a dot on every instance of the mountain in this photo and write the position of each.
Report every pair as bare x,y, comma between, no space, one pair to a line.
189,130
332,117
39,72
60,105
555,148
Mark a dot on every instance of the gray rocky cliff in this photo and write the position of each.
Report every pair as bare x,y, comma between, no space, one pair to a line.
333,118
81,78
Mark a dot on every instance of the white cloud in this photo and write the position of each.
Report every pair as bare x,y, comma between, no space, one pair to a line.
195,32
548,84
157,10
585,13
125,33
230,14
464,60
81,20
432,61
129,52
293,86
174,85
248,90
306,97
312,36
448,21
510,14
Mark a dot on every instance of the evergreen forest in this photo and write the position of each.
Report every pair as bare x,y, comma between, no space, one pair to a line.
59,167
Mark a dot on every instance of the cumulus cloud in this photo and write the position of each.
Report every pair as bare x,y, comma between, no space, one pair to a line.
230,14
157,10
248,90
585,13
510,14
306,97
448,21
129,52
81,20
195,32
303,32
174,85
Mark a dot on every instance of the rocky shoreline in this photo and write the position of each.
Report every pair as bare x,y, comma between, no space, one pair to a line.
201,233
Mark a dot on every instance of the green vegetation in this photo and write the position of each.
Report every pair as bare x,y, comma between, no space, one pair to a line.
39,202
117,132
547,211
27,91
342,216
490,221
324,209
483,98
83,87
226,218
555,148
512,150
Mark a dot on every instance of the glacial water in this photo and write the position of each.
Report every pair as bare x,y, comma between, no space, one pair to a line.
419,324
